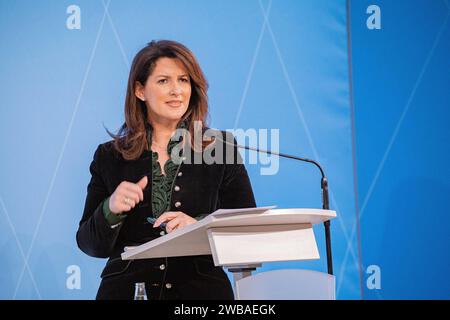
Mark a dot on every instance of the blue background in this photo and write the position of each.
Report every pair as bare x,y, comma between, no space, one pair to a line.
377,125
401,86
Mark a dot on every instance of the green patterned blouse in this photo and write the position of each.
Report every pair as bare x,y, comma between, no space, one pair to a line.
161,184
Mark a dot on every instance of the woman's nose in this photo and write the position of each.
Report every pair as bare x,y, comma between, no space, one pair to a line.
176,90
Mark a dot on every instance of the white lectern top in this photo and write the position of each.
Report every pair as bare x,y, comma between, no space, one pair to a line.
236,236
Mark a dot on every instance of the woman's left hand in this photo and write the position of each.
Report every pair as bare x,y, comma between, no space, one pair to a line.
174,219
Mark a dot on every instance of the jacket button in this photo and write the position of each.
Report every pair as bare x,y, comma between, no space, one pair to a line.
162,233
168,285
177,204
180,174
162,267
177,188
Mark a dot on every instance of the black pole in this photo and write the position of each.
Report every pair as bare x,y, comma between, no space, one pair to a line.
326,206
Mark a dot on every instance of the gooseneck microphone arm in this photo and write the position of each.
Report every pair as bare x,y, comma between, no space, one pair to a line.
325,197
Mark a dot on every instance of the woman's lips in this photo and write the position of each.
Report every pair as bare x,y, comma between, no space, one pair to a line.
174,103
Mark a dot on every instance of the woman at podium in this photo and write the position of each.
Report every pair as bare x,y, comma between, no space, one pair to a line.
155,177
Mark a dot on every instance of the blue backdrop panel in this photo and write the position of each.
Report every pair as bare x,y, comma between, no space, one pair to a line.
271,65
401,77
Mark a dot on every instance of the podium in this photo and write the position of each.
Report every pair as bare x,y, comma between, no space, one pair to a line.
240,240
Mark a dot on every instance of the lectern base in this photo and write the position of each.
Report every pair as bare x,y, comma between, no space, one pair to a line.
290,284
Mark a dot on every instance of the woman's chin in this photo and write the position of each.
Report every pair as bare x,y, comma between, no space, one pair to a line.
175,118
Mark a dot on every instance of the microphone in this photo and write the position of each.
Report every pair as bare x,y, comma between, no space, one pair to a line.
323,185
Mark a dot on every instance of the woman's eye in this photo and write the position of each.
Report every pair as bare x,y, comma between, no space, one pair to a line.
184,80
162,81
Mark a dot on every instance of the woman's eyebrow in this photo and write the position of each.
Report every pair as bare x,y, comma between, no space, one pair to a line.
168,76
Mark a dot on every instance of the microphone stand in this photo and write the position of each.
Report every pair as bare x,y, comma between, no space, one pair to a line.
325,197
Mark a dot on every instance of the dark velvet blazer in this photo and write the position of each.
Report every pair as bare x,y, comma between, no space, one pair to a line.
202,189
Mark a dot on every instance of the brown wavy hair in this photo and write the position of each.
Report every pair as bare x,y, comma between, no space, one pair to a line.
131,139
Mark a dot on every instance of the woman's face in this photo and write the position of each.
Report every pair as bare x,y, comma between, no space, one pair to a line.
167,92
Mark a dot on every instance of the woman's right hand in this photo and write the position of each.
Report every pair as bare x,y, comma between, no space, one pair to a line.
127,195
